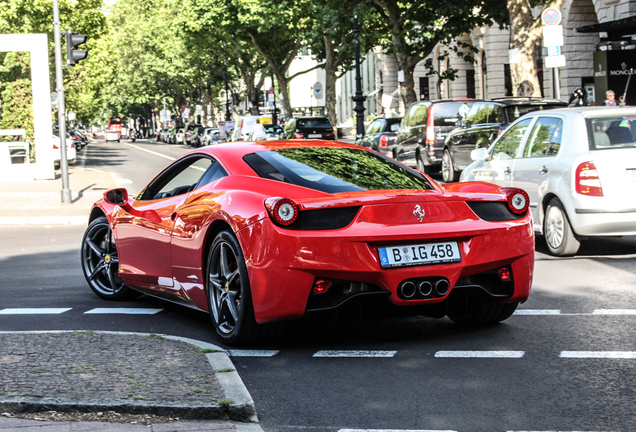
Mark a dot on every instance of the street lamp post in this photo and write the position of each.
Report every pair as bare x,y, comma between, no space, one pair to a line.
59,80
359,98
228,114
275,114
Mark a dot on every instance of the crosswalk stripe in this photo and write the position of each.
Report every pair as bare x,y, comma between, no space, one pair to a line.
252,353
124,311
598,354
614,312
537,312
479,354
354,353
33,311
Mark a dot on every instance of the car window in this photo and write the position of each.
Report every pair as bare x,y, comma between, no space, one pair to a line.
373,127
178,179
334,170
507,145
477,114
418,115
495,114
542,136
611,132
314,123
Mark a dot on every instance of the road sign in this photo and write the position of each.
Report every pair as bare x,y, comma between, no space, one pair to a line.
318,90
554,62
271,90
552,36
551,16
554,51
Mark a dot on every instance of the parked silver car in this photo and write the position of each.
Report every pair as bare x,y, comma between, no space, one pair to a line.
578,166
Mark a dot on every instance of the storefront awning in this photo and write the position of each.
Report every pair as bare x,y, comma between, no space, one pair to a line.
621,27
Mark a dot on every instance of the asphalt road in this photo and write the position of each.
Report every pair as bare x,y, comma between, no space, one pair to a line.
566,361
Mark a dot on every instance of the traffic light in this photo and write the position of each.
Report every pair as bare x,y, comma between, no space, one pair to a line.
74,55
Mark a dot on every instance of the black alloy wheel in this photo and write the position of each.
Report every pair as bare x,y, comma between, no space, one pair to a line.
100,262
229,295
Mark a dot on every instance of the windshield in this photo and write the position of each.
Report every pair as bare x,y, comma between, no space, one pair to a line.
333,169
611,132
313,123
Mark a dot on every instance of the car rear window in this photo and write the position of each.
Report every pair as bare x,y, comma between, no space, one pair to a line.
515,111
333,169
611,132
447,113
313,123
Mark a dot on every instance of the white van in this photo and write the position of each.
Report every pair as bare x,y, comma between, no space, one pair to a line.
245,124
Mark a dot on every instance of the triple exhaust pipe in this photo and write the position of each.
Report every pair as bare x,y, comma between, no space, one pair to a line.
427,288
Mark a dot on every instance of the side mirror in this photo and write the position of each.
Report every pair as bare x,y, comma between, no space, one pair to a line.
479,154
116,196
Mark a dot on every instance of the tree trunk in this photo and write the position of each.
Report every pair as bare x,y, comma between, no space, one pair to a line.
330,84
526,34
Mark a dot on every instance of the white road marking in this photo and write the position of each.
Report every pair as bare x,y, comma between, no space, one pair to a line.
33,311
354,353
152,152
252,353
537,312
479,354
598,354
614,312
125,311
395,430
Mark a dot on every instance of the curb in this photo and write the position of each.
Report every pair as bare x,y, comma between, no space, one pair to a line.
240,409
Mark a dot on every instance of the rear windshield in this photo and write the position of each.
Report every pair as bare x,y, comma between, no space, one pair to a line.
333,170
313,123
611,132
447,113
516,111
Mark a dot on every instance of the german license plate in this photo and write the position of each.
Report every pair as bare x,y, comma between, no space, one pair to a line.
419,254
314,136
631,173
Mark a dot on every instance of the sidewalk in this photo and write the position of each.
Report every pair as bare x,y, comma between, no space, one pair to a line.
113,373
39,202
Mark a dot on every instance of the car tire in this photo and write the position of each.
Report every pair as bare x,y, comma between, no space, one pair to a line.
448,171
420,165
557,231
100,262
229,295
483,313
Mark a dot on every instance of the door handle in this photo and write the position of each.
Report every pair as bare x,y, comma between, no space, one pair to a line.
507,170
544,170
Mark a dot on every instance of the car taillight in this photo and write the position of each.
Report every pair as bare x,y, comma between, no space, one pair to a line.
430,127
517,199
329,135
299,136
588,181
284,211
383,141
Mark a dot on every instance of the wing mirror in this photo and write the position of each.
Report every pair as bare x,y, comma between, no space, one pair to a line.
116,196
479,154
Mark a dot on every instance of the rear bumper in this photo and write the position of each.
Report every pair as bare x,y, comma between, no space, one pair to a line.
596,222
283,264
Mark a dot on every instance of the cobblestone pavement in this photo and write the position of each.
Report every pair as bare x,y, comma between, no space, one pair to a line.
87,371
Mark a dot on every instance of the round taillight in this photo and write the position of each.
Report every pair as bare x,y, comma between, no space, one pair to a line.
518,200
284,211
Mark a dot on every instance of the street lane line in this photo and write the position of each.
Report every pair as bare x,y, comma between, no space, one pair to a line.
354,353
537,312
614,312
252,353
395,430
125,311
33,311
479,354
598,354
152,152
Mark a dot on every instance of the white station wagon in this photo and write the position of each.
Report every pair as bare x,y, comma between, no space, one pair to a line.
578,166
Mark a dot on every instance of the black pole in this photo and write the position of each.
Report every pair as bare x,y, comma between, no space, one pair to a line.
359,98
274,114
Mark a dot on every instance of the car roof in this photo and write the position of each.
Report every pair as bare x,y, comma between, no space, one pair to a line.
596,111
523,100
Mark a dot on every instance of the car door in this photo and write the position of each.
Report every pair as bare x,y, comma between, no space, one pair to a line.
498,167
412,131
143,235
535,165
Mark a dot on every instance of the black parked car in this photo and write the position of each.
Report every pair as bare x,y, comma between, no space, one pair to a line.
308,128
381,135
485,121
423,131
196,139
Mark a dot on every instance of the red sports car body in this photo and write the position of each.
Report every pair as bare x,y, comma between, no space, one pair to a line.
258,233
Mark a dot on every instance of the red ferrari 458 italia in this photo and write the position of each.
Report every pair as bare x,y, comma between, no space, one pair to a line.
259,233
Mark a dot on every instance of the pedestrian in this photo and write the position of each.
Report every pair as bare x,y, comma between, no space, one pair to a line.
611,99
